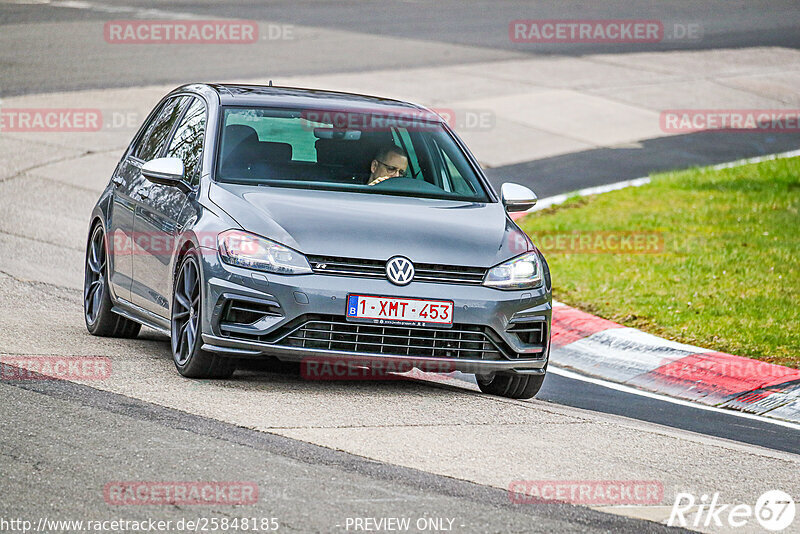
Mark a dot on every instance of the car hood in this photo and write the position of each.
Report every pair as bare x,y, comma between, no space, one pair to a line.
374,226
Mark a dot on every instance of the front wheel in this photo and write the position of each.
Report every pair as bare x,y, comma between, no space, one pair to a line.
190,360
513,386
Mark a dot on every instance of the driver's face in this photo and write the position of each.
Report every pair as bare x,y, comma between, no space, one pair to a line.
392,165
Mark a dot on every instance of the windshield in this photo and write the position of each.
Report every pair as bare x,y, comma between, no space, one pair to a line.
373,153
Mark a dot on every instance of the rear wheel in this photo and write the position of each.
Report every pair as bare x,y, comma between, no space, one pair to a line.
190,360
100,320
513,386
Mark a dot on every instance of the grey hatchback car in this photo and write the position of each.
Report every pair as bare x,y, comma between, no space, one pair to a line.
316,227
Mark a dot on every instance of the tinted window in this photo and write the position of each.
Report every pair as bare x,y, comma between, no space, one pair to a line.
403,139
405,152
155,136
187,143
452,174
298,134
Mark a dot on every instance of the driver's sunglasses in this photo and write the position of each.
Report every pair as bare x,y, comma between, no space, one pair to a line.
400,172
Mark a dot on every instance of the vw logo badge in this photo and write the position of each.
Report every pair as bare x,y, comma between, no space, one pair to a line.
399,270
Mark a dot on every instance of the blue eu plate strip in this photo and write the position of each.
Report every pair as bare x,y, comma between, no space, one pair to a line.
352,306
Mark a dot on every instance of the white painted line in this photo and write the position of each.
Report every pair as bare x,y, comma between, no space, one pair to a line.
633,391
543,203
546,202
136,12
757,159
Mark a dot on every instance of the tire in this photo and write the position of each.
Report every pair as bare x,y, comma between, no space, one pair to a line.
510,385
185,326
100,320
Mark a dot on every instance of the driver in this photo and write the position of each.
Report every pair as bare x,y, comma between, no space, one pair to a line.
389,162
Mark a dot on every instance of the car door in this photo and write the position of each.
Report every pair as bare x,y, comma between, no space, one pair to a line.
158,220
120,231
126,182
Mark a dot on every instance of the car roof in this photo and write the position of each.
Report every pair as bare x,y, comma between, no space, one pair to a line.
310,99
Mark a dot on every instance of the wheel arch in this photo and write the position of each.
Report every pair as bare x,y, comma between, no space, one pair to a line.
187,244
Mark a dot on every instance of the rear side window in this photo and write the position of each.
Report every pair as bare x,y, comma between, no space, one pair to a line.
187,143
299,134
155,136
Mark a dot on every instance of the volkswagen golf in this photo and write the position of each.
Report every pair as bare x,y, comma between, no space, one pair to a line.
297,224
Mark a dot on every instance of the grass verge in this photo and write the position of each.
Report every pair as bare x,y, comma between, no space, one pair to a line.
712,257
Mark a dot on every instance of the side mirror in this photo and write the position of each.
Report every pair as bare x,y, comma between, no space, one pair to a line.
517,197
166,171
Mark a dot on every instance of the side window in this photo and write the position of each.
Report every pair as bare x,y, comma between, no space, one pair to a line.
452,179
460,185
187,143
298,133
155,136
401,138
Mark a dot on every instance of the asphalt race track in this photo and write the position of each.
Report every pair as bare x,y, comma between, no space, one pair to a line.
49,34
323,453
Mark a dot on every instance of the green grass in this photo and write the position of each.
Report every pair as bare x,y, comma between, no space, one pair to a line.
728,277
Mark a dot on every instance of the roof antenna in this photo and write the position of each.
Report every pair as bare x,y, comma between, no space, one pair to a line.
270,83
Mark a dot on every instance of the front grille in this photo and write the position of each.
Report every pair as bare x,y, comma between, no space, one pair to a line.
334,333
424,272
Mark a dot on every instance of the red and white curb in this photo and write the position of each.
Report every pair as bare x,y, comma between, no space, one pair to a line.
603,348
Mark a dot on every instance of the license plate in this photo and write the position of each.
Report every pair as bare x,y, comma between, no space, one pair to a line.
399,311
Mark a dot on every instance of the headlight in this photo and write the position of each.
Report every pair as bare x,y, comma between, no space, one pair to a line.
522,272
253,252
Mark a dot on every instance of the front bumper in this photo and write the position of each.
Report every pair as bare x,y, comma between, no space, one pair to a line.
292,298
